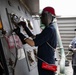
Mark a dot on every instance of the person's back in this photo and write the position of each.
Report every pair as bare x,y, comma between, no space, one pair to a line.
45,52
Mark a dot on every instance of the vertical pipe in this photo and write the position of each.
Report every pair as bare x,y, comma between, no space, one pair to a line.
62,60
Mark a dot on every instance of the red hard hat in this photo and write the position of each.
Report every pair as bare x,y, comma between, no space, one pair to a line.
50,10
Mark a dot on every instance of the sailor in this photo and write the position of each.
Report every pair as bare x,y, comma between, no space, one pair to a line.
48,34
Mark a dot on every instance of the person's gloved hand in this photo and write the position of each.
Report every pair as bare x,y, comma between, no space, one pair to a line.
17,30
21,36
22,23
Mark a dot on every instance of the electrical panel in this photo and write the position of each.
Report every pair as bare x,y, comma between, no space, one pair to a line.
21,58
27,52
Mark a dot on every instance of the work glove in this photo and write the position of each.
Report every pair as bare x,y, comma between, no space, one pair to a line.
21,36
22,23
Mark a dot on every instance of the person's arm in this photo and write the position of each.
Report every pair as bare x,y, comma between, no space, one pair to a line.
43,37
38,40
23,38
30,42
72,45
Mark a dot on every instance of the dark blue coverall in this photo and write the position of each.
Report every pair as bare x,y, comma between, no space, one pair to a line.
45,52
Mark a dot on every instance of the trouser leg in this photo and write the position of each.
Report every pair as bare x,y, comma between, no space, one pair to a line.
74,70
